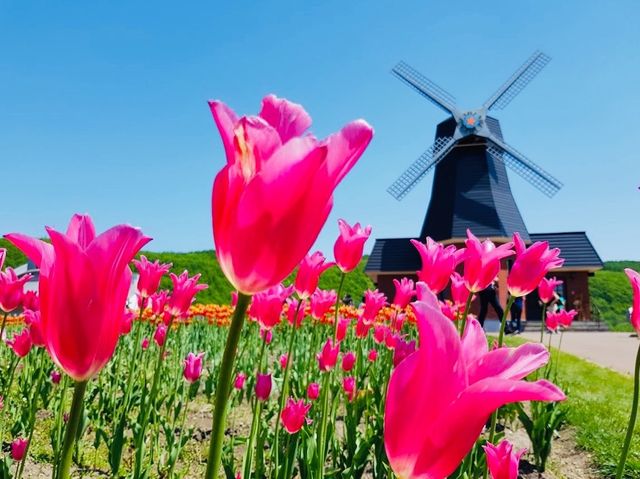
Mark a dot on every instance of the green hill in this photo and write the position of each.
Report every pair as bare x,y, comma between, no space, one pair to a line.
610,289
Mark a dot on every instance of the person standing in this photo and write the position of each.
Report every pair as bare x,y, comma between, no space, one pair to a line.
489,296
516,315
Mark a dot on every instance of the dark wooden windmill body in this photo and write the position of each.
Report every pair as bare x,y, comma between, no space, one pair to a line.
471,189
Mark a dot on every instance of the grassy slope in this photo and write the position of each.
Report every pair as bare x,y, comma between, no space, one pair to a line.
599,401
609,288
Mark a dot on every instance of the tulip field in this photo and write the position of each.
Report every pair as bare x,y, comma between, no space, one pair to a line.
286,379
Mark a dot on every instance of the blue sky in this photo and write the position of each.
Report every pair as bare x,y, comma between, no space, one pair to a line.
103,105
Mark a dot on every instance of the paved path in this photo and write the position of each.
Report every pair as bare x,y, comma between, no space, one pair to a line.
616,351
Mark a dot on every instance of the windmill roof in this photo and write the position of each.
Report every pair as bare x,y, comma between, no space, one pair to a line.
391,255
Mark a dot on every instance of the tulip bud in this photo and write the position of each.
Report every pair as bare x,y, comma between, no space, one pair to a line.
348,361
263,386
18,448
313,391
56,376
294,415
283,361
373,355
328,356
239,381
193,367
349,386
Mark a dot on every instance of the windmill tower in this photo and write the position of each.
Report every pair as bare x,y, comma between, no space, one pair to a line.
471,190
470,186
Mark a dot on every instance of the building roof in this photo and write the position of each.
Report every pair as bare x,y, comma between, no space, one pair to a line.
397,255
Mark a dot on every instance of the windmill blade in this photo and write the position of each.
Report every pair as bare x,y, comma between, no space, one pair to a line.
421,167
526,168
518,81
416,80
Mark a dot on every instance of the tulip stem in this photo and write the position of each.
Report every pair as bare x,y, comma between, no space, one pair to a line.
4,323
285,387
72,429
223,386
467,308
335,318
257,411
632,417
326,394
544,310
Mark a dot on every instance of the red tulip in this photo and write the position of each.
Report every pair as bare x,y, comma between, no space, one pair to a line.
502,460
30,301
341,330
56,376
308,275
634,279
349,246
438,262
531,265
348,361
328,356
183,294
380,333
127,321
321,302
373,355
18,448
440,398
373,303
150,275
565,318
294,415
405,292
234,298
144,344
349,387
272,198
362,327
402,350
32,319
313,391
193,367
547,289
11,289
482,262
83,288
20,343
263,386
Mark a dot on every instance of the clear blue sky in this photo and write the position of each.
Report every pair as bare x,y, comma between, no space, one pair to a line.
103,105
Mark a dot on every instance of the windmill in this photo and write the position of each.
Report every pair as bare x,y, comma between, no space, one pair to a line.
471,188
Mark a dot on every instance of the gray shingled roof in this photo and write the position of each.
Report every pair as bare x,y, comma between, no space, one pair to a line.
398,254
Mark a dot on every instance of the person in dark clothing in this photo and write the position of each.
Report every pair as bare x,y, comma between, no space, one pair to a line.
488,296
516,315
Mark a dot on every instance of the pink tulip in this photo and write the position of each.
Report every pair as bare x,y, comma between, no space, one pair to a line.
372,356
551,322
11,289
159,302
56,376
18,448
83,288
313,391
193,367
183,294
438,262
20,343
266,335
405,292
283,360
440,398
380,333
482,262
272,198
30,301
160,335
449,310
308,275
32,319
348,361
547,288
150,275
531,265
292,307
349,246
234,298
267,306
341,330
239,381
398,322
263,386
127,322
373,303
328,357
294,415
459,292
349,387
144,344
362,327
634,279
3,255
502,461
565,318
321,302
402,349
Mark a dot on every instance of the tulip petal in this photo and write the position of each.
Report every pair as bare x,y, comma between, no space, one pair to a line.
226,120
81,230
474,343
288,118
452,436
345,148
38,251
509,363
